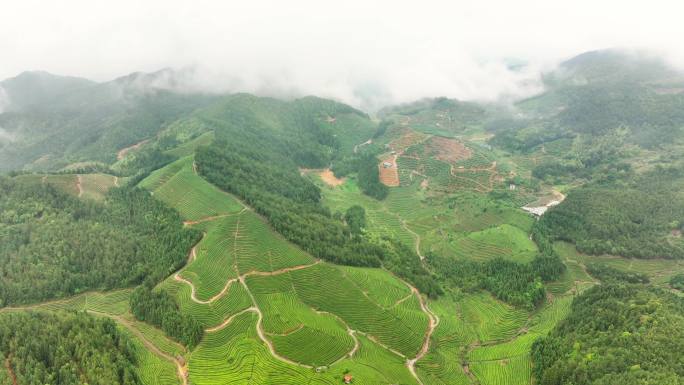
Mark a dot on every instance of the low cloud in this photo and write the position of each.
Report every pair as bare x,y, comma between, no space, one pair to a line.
368,54
6,136
4,100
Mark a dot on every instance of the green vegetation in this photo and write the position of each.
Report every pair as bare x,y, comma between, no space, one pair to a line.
636,340
79,120
160,309
179,186
65,348
677,282
355,217
608,274
271,183
631,221
266,273
55,245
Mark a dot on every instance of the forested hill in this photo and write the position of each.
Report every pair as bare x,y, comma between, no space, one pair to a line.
602,93
48,122
615,334
54,245
65,349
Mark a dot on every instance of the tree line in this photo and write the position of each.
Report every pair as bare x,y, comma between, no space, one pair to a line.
65,348
54,245
615,333
160,309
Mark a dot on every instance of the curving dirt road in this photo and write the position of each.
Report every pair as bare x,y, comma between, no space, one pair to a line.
433,323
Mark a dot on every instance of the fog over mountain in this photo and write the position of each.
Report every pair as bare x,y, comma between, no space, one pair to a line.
368,55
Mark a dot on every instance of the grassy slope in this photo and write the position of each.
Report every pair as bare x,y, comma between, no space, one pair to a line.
307,313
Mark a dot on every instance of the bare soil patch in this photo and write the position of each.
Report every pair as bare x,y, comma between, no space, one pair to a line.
389,175
330,179
407,139
448,150
122,153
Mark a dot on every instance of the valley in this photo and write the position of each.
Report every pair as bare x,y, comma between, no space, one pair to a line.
252,240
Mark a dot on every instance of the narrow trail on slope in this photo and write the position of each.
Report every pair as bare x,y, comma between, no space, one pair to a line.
79,185
8,366
402,300
350,331
433,322
193,296
262,334
229,320
405,226
356,147
182,369
193,255
254,307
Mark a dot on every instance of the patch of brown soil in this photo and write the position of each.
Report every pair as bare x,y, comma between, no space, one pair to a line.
389,176
8,366
406,140
424,184
330,179
122,153
448,150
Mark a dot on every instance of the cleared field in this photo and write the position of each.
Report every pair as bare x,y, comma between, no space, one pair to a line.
442,365
298,332
234,355
194,198
215,260
113,302
65,182
658,270
259,248
510,371
189,147
379,286
234,300
95,186
325,288
503,241
491,319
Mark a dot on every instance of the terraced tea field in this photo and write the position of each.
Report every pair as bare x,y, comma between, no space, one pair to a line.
179,186
273,314
254,291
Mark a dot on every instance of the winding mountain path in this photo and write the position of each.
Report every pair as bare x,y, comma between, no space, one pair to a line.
432,325
405,226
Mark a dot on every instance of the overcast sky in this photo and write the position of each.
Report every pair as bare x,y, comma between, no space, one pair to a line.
364,52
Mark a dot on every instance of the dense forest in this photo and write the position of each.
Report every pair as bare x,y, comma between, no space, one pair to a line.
64,348
630,218
519,284
55,245
606,273
615,334
160,309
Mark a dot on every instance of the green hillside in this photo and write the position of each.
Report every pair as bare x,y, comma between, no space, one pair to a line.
238,239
